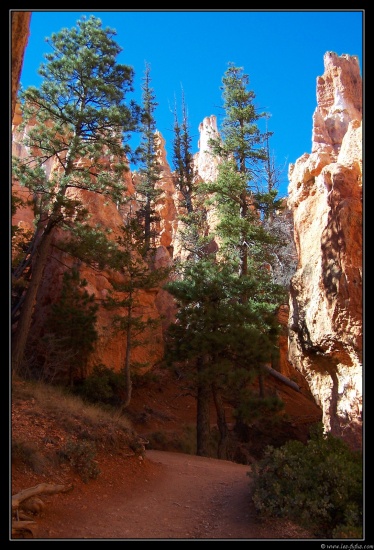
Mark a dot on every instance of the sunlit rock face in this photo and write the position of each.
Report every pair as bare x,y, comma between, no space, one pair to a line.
325,196
339,100
206,163
167,202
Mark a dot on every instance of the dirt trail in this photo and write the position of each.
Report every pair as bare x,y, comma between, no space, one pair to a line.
175,496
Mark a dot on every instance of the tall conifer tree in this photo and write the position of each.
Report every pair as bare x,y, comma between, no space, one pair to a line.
192,228
149,172
242,147
228,301
79,113
183,158
130,259
70,331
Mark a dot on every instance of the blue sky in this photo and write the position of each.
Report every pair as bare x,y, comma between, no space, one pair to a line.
281,51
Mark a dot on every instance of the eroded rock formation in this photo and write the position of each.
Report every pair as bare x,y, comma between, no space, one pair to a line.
325,196
206,163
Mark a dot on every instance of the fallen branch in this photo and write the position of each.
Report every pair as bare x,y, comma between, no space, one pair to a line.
281,377
45,488
22,524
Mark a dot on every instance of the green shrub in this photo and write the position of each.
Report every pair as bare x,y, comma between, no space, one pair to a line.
317,485
158,440
81,455
103,385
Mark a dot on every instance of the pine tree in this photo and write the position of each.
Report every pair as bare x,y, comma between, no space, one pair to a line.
192,227
265,196
79,113
130,272
183,158
192,234
221,341
242,147
130,258
226,327
149,171
70,332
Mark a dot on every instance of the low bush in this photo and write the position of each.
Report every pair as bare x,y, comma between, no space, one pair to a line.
318,485
29,454
81,455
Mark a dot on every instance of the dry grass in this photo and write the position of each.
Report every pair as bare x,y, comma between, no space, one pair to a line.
57,402
46,420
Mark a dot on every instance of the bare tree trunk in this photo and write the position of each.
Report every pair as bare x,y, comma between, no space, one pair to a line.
243,245
27,497
261,384
19,339
127,365
147,225
203,413
221,422
42,488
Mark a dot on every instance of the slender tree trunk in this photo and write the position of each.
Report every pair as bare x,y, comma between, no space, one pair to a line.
203,413
127,364
19,339
243,247
147,224
188,201
261,384
221,422
38,266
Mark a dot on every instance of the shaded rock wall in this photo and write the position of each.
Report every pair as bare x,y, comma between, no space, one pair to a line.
154,304
325,196
20,23
111,346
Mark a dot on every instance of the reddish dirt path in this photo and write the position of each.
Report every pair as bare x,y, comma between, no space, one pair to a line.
165,496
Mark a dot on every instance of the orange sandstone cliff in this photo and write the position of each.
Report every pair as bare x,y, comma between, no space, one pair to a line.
325,197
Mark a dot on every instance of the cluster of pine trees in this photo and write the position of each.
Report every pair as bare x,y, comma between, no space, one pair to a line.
228,295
